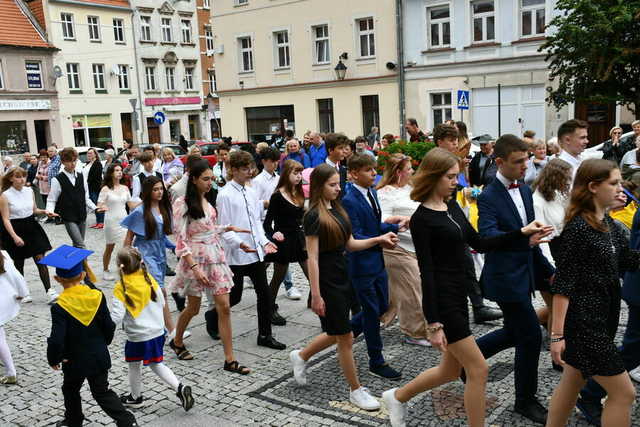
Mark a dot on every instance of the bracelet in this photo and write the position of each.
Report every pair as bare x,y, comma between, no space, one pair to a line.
557,339
556,334
193,266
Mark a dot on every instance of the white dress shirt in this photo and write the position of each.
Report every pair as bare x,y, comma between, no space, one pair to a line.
264,185
573,161
364,192
396,201
56,189
137,186
336,166
515,196
238,205
157,165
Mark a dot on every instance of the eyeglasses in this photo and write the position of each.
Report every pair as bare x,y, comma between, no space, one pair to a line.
617,133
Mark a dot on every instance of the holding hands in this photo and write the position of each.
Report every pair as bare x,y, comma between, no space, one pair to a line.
388,241
536,231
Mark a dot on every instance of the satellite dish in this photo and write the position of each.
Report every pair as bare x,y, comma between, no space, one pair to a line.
115,70
57,71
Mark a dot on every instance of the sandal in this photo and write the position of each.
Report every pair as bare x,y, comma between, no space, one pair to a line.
235,367
181,352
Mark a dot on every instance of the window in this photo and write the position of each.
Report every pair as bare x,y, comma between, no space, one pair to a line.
212,81
441,107
484,23
98,77
73,76
186,31
325,115
145,28
366,37
123,77
165,26
208,37
68,30
118,30
439,26
150,77
206,4
1,77
246,54
188,78
321,44
241,2
532,17
170,76
34,74
94,28
281,40
370,113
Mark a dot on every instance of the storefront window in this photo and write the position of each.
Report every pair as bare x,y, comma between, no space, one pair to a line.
13,137
92,131
267,123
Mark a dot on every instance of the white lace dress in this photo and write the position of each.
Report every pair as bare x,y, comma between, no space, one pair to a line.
115,201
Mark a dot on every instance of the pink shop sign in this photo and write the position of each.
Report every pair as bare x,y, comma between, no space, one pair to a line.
172,101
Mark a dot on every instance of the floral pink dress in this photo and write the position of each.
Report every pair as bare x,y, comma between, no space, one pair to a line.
201,239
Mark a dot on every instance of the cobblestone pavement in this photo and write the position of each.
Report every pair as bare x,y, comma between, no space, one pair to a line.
268,396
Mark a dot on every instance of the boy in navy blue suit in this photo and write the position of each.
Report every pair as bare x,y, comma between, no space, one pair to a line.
366,268
508,276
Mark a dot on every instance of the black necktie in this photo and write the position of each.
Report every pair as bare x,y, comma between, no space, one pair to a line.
374,205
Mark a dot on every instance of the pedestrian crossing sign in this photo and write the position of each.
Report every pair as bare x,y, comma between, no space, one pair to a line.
463,100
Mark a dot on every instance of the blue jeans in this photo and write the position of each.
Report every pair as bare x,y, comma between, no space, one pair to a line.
373,295
288,281
99,215
630,352
521,330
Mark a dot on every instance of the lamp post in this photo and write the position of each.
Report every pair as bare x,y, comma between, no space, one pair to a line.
341,70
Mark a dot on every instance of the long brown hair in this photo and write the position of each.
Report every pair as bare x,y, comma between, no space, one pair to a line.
433,166
592,170
331,233
284,183
555,177
394,164
130,261
6,178
164,206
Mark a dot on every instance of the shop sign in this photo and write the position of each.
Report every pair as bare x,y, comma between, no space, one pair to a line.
172,101
24,104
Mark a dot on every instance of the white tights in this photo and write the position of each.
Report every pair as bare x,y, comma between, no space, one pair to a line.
5,355
160,369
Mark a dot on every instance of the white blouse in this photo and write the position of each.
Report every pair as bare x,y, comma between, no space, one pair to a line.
12,285
550,213
20,202
396,201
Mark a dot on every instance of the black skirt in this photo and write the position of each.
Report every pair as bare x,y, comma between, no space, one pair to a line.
291,249
30,231
337,293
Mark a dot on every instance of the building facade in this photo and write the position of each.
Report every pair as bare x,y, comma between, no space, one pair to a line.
210,101
169,70
29,118
276,67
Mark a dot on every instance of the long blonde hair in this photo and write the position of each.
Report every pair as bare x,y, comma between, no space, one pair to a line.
434,165
129,262
394,164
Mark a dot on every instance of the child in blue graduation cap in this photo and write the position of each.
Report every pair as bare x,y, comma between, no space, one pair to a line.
81,331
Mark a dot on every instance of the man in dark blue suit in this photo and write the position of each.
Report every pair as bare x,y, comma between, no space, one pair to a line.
508,274
366,268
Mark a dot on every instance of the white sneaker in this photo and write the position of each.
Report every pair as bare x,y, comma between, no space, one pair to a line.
363,399
27,299
53,296
417,341
635,374
107,276
299,367
397,410
293,293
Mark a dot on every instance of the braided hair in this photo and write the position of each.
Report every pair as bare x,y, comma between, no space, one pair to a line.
130,261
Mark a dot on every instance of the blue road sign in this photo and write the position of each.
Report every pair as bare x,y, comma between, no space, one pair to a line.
463,100
159,117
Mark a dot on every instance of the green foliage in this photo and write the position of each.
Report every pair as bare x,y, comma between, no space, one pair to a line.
594,54
415,150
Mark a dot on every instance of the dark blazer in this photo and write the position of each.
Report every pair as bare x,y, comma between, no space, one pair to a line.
85,347
365,224
343,180
94,178
482,176
631,286
509,274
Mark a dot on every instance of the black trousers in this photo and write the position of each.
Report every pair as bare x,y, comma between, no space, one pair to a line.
257,272
473,287
106,398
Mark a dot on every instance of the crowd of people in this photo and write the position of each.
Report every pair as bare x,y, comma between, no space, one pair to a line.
525,215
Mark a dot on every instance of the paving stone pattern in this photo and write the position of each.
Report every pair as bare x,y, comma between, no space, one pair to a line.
269,395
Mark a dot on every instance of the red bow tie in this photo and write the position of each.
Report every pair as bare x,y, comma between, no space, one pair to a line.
513,185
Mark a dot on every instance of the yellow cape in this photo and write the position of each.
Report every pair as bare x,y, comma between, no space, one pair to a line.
81,302
625,215
138,290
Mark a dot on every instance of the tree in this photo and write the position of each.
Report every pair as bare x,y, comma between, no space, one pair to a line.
594,52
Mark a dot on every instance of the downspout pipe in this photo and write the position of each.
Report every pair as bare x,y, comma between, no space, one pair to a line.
401,76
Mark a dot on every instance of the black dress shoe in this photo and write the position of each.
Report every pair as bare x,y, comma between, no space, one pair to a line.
591,411
211,325
270,342
533,410
276,319
486,314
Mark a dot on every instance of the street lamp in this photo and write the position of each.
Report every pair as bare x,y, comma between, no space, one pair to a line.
341,70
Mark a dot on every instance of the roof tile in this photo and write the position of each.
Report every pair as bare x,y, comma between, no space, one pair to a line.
17,29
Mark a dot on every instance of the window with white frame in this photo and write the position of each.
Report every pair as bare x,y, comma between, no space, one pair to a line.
170,78
34,74
483,19
1,77
206,4
93,23
366,37
186,31
188,78
441,107
165,27
208,38
123,77
439,26
145,28
212,81
241,2
73,76
246,54
321,44
68,29
98,77
118,30
281,46
150,77
532,17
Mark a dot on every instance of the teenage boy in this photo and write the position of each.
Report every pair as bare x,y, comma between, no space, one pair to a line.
508,274
147,160
81,331
573,138
238,204
221,167
366,268
336,144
